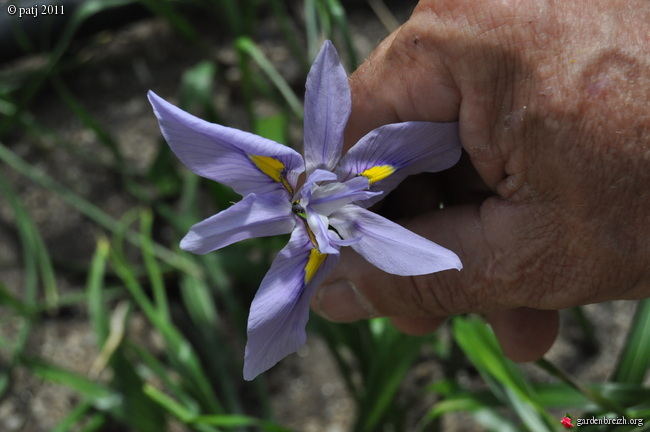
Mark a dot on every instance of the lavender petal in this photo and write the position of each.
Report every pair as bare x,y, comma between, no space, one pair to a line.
409,148
254,216
389,246
221,153
280,310
327,109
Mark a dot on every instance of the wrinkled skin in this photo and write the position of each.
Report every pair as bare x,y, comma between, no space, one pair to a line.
551,207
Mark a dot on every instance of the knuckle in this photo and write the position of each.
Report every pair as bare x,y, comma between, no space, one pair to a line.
431,295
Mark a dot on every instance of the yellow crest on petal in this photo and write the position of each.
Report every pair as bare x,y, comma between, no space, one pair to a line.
378,172
269,166
272,168
313,264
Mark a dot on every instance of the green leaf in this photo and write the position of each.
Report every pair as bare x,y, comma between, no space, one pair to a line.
197,89
95,289
634,360
75,416
37,262
169,404
337,12
236,421
246,46
154,274
381,383
481,347
101,396
169,11
183,356
273,127
85,10
90,210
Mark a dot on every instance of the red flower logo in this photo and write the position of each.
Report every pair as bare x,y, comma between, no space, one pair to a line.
566,422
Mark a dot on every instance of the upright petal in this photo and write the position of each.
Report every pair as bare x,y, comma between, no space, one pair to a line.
254,216
327,109
312,183
280,310
390,153
389,246
328,198
244,161
318,225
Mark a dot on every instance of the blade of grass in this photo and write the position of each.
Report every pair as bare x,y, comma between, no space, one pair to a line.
197,90
199,304
337,12
94,424
272,127
169,404
98,394
231,13
289,30
349,345
246,46
634,360
153,369
91,211
232,421
381,382
593,395
167,10
25,307
82,13
153,269
117,329
480,345
82,114
75,416
311,24
485,414
177,347
237,313
35,255
95,287
324,23
19,307
384,14
137,410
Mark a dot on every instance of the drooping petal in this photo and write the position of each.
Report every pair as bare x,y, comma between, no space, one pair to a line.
280,310
389,246
327,109
244,161
254,216
390,153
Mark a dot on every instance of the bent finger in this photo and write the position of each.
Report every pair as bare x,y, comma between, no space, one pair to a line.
525,334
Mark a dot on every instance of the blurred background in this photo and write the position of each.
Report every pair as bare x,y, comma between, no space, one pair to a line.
105,325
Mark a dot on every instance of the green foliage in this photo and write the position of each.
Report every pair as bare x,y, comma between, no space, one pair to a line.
196,307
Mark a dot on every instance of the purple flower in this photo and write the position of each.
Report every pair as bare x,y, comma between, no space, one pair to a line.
327,212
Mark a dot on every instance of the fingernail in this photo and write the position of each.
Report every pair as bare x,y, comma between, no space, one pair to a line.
341,301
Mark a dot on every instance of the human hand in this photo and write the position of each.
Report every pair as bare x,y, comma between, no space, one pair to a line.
551,208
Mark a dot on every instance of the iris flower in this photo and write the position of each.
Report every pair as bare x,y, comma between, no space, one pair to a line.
327,212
